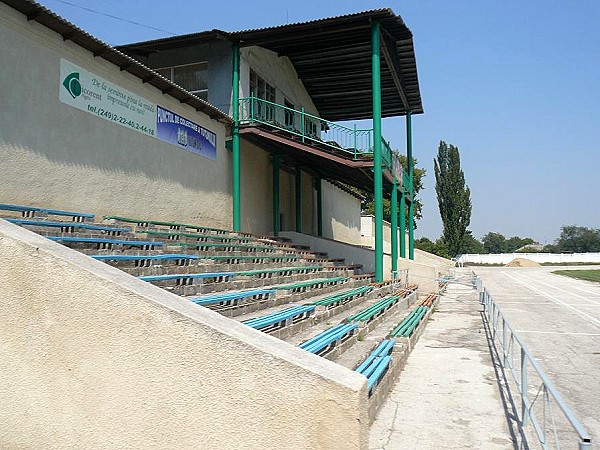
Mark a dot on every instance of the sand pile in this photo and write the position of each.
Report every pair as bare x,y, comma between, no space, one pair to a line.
522,262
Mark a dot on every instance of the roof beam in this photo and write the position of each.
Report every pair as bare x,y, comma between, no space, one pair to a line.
354,93
69,35
284,37
310,54
391,57
33,15
102,51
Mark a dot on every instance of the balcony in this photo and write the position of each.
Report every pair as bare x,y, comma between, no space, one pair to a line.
352,143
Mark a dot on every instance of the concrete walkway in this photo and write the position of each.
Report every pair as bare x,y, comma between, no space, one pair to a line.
447,396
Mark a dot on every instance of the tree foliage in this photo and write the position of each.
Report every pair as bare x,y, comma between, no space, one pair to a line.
496,243
576,239
470,244
438,247
453,195
368,204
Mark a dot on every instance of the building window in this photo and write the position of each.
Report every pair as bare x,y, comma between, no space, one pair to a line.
259,88
311,128
191,77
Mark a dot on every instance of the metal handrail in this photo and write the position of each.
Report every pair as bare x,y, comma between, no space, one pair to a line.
356,142
387,154
509,340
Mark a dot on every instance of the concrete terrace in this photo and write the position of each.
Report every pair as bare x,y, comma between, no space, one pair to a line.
447,395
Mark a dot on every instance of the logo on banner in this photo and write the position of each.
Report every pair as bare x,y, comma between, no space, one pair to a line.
72,84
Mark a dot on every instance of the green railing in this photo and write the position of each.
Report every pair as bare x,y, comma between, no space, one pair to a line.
356,142
391,161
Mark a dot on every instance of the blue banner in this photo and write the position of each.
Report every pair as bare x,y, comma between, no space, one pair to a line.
183,133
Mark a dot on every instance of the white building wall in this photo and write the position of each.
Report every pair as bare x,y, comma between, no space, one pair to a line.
279,72
55,155
257,191
505,258
341,214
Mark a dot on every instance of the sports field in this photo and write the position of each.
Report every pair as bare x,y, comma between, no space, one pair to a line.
558,318
587,275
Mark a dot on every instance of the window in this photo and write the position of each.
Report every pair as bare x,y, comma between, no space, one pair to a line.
311,128
191,77
259,88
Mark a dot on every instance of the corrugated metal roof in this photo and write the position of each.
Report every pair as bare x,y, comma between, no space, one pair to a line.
368,12
34,11
332,57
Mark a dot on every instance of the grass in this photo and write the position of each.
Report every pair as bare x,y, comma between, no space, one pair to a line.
588,275
571,264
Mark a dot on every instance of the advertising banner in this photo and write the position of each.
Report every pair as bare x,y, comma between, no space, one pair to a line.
99,97
88,92
179,131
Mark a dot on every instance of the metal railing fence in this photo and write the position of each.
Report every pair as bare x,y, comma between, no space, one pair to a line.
399,278
356,142
541,403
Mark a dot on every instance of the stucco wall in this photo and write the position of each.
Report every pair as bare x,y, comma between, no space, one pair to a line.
94,358
423,270
341,214
422,273
257,191
54,155
279,72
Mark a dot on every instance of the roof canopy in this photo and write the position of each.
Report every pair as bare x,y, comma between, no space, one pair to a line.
333,59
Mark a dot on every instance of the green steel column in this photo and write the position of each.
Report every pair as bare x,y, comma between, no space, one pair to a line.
236,189
394,225
402,232
298,199
411,207
276,216
319,208
377,171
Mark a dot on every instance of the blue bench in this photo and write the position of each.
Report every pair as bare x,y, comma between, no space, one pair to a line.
281,318
231,298
146,260
105,243
283,271
376,364
325,341
70,226
186,278
29,211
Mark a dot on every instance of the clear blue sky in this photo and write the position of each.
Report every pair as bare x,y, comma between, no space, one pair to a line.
514,84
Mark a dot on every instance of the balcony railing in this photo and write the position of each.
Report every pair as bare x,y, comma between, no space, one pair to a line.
355,142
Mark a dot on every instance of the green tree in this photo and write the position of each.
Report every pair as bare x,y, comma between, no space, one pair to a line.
439,247
368,204
578,239
471,245
453,195
516,242
424,244
494,243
